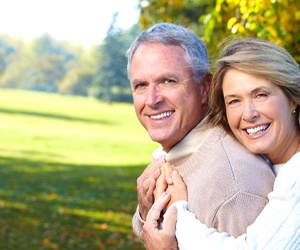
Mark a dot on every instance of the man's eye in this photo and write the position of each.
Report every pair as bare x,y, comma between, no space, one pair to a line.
168,81
139,85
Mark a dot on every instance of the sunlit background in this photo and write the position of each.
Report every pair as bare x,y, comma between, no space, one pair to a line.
81,22
71,146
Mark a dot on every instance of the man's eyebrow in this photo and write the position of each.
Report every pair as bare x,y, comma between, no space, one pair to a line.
136,81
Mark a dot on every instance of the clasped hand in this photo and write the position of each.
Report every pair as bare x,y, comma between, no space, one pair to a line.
162,185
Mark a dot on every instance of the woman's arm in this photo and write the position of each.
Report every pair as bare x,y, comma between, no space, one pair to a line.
277,227
155,236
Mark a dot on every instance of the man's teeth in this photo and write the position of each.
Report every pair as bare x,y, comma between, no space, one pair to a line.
162,115
257,129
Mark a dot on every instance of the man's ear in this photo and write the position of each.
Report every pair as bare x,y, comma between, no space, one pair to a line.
206,83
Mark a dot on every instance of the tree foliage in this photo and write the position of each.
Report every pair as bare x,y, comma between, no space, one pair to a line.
80,75
50,64
6,50
46,64
274,20
111,81
184,12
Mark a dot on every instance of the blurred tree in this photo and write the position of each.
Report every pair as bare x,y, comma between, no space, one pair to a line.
7,52
274,20
184,12
49,65
80,75
14,66
111,81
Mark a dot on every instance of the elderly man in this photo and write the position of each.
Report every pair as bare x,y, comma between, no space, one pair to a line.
169,74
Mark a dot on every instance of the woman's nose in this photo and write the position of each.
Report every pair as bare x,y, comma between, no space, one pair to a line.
250,112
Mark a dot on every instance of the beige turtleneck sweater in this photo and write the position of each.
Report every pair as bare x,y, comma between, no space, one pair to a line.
227,185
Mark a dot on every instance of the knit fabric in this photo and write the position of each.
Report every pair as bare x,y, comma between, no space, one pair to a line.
276,228
227,185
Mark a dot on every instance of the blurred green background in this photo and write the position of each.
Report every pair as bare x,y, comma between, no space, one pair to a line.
68,168
71,146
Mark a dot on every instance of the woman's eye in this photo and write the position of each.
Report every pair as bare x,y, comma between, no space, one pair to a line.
262,96
233,101
259,95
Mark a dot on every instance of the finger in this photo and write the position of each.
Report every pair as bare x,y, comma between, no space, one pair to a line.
159,204
152,167
179,189
177,179
161,184
154,176
143,179
168,168
148,182
170,218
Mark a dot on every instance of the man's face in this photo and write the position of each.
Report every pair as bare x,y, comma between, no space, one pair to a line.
168,102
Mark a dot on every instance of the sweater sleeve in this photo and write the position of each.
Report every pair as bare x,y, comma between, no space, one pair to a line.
277,227
137,224
238,212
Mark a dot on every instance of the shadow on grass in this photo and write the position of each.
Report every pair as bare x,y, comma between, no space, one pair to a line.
46,205
55,116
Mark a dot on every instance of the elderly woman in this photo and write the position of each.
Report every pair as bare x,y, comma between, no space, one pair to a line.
256,97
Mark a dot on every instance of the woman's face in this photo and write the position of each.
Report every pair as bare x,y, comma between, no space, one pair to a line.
260,115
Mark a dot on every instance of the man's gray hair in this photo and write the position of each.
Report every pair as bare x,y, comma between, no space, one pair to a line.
175,35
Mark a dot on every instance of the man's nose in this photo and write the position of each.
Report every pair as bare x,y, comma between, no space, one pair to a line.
154,97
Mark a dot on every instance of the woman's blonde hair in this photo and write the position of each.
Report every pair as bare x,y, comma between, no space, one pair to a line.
259,58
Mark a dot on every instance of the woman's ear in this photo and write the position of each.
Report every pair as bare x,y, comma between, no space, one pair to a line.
294,107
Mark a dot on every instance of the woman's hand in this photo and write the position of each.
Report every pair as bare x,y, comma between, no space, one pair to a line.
161,182
176,188
153,234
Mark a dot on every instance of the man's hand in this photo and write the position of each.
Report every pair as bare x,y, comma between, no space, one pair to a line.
145,186
154,236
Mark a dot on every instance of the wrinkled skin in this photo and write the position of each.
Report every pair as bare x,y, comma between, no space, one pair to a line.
164,237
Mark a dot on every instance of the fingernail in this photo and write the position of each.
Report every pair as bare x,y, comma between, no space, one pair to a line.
174,172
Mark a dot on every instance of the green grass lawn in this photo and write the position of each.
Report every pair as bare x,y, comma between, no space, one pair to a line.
68,168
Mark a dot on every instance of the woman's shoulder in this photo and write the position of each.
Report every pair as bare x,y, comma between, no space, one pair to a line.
288,177
291,167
